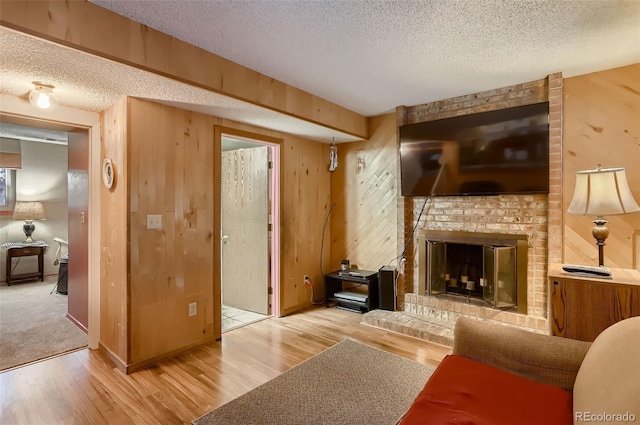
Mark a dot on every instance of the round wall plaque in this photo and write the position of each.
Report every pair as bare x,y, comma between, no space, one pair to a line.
108,173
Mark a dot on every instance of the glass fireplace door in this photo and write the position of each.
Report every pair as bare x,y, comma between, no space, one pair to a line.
437,263
500,280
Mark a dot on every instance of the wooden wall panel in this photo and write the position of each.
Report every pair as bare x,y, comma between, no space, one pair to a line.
364,189
171,168
601,126
114,241
82,25
305,202
171,172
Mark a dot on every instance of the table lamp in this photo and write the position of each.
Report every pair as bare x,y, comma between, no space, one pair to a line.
28,211
600,192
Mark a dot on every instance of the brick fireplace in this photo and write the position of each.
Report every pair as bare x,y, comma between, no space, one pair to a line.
535,220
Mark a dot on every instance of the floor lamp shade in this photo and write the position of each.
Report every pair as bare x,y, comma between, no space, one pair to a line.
600,192
28,211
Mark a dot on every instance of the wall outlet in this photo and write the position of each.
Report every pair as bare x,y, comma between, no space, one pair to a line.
307,280
193,309
154,221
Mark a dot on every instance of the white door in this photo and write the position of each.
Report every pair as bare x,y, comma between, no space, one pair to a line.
245,229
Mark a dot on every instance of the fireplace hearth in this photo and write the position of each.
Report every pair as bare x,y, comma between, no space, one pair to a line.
480,268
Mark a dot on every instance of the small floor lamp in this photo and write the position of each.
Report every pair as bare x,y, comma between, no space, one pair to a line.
600,192
28,211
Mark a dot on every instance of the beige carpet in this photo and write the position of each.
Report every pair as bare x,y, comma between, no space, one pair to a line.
349,383
33,324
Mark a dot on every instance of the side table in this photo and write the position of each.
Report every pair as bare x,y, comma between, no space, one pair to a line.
24,250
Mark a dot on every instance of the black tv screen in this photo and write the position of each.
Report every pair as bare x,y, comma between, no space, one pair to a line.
488,153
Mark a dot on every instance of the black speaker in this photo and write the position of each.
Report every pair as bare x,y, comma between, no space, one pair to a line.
387,288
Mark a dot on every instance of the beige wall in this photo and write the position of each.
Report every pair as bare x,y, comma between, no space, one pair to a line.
43,177
602,126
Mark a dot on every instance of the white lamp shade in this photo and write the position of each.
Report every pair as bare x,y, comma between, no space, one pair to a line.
28,211
603,191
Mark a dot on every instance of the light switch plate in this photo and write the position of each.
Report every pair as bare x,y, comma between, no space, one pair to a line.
193,309
154,221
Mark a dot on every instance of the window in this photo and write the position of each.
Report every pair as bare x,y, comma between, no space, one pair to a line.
3,187
7,190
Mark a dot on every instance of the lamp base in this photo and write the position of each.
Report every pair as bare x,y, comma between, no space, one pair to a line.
28,229
600,232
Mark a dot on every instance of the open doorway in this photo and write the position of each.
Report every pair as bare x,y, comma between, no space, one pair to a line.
49,175
19,111
248,249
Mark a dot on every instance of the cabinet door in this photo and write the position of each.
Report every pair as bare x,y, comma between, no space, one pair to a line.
436,264
582,309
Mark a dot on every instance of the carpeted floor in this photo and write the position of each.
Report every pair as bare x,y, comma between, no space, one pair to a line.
349,383
33,325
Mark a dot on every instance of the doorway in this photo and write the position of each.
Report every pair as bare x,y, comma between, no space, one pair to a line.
248,207
87,126
53,173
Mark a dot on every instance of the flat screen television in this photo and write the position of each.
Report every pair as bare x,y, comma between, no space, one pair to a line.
488,153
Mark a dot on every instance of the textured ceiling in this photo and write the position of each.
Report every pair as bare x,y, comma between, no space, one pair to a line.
368,56
371,56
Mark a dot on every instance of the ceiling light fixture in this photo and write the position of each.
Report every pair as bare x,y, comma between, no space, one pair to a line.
42,96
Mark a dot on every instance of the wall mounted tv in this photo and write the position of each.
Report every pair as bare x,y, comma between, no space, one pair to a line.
488,153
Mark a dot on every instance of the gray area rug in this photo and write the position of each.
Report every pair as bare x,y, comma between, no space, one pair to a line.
349,383
33,324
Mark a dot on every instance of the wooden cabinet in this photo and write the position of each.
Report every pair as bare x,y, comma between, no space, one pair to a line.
582,307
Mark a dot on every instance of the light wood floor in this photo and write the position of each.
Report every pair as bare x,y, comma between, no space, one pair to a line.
84,388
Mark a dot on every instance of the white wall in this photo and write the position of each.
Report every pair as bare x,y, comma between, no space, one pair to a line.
43,177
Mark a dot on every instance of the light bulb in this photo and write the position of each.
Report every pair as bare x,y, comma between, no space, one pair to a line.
42,96
43,101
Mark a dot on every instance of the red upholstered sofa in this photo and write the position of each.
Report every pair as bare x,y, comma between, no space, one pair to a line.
504,375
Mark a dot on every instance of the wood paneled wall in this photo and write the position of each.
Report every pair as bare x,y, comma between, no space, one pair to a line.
364,190
170,167
83,25
166,166
601,126
114,254
305,202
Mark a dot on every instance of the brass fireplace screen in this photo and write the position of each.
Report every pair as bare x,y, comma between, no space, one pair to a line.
478,266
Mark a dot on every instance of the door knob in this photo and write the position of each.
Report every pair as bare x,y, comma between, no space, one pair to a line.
225,238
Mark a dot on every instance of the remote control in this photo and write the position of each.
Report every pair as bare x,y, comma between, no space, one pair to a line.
588,271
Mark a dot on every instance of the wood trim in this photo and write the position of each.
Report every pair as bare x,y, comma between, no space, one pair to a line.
81,25
278,294
10,160
217,218
248,135
135,366
118,363
18,110
77,323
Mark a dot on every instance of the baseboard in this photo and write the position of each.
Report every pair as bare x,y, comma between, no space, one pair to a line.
113,358
78,324
133,367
